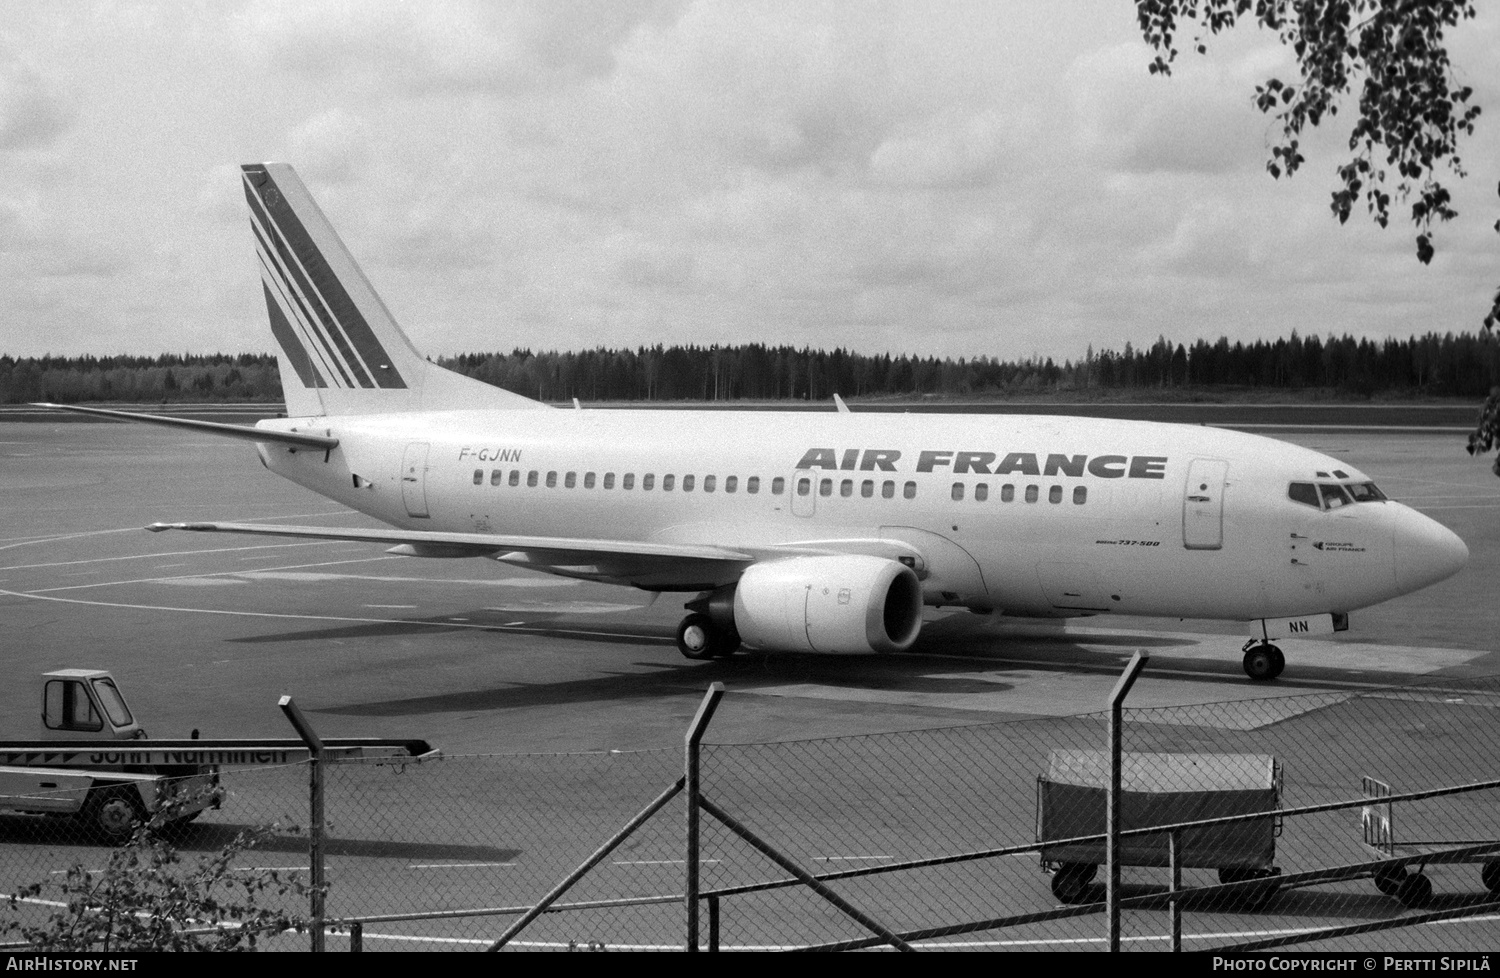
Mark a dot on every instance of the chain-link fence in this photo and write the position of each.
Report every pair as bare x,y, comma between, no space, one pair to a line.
1330,806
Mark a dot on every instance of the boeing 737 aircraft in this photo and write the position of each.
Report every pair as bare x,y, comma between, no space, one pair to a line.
824,532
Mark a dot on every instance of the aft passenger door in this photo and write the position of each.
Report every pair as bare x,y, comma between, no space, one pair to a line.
1203,504
414,479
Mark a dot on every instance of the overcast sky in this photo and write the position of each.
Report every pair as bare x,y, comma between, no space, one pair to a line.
938,178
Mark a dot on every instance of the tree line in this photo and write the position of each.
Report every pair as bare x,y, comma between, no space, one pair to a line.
1446,365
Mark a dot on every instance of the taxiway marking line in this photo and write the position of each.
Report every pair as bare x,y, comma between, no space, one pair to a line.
38,596
456,865
169,553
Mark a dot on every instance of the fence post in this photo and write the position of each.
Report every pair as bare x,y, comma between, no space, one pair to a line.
315,814
694,736
1112,802
1174,857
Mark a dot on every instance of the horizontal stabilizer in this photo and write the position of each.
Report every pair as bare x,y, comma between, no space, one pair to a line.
245,432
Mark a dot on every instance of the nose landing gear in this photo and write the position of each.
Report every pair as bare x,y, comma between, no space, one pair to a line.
699,637
1263,661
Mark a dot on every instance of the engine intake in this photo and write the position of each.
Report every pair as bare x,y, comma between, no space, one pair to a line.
846,603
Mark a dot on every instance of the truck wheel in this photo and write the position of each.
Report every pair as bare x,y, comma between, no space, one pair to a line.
1069,881
112,814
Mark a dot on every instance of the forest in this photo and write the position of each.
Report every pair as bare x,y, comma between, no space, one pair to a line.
1447,365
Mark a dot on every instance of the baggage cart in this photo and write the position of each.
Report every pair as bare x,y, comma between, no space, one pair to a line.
1160,789
1414,888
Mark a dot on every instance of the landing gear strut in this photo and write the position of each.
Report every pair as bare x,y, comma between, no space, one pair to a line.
1263,661
699,637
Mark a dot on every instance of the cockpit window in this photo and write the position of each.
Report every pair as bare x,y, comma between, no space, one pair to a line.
1328,495
1333,496
1305,493
1365,492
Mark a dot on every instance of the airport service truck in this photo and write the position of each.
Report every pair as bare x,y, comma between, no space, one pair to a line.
96,766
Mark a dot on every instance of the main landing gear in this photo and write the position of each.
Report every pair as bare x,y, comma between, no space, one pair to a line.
699,637
1263,661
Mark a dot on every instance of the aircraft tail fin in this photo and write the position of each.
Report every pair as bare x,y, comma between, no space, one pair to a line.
341,350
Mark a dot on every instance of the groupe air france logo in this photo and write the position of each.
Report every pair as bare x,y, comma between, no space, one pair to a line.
322,331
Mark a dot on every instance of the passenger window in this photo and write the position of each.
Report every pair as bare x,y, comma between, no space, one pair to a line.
667,482
731,483
958,491
909,491
778,485
1032,494
588,480
825,488
609,480
570,480
1080,495
981,492
846,488
628,482
804,486
752,486
867,488
479,477
647,481
687,483
1007,493
531,478
552,480
887,490
708,483
515,477
496,477
1054,495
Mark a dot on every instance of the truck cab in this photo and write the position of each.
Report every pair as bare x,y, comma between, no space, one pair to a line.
86,704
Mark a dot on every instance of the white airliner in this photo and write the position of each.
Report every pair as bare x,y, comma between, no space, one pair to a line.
823,532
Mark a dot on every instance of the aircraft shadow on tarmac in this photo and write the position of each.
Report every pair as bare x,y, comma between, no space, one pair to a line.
215,836
745,671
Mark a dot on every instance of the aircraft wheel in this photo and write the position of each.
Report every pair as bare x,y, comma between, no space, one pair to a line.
1069,881
1264,662
1279,661
1415,891
728,644
698,638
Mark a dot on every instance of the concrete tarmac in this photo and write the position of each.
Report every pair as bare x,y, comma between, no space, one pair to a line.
208,631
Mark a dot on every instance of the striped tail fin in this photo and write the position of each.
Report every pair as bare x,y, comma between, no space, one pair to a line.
341,350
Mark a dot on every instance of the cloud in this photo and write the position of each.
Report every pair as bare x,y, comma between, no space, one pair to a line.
32,114
331,147
437,46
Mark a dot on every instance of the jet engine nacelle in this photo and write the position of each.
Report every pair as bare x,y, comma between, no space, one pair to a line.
847,603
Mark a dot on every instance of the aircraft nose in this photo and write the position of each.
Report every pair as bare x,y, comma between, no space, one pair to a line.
1426,552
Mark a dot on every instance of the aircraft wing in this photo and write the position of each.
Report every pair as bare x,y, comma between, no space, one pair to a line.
647,564
304,438
434,543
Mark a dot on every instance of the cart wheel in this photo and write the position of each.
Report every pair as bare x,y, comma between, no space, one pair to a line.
1490,874
1388,880
1069,881
1415,891
1252,897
